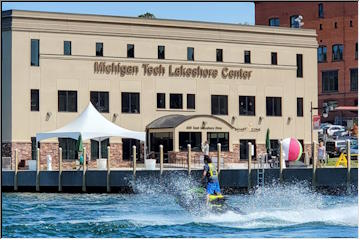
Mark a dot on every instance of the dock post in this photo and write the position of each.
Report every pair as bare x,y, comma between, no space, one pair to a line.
314,164
161,158
84,172
281,160
189,158
348,176
108,170
60,170
37,169
134,160
218,157
16,170
249,165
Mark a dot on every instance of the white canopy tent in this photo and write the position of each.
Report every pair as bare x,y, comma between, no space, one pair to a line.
91,125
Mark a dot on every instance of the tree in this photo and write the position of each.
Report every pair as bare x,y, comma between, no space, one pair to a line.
147,15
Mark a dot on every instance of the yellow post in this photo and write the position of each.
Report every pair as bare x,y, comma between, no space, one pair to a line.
108,171
249,165
16,170
37,169
348,178
189,158
218,157
84,172
60,170
281,160
161,158
134,160
314,164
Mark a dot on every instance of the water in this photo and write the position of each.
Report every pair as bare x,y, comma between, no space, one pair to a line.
273,211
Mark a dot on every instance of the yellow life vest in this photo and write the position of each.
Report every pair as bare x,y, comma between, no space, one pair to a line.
212,170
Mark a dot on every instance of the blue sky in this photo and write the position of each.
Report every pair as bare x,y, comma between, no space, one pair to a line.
226,12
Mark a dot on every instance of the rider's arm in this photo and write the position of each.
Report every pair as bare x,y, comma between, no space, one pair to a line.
204,174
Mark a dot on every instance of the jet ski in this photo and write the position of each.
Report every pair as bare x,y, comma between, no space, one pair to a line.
194,200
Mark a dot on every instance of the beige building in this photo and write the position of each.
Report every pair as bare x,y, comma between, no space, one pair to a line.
181,81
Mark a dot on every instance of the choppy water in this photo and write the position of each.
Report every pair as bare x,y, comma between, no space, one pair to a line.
274,211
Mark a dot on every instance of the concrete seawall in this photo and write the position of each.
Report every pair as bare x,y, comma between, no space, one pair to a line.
121,180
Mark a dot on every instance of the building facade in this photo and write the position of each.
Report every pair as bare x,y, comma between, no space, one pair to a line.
336,25
181,81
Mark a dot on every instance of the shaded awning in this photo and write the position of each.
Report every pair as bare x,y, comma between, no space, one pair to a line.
346,108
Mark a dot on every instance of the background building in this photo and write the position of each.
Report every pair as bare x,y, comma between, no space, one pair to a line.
336,25
183,82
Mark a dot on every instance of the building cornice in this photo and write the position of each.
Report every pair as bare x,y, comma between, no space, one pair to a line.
32,21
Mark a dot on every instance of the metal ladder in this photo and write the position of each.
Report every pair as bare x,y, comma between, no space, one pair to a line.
261,172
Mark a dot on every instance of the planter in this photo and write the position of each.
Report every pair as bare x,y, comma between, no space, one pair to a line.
32,165
150,164
101,163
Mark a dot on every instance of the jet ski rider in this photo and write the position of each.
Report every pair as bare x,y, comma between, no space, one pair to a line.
212,186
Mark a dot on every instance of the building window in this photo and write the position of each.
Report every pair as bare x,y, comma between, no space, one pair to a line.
190,54
320,26
164,138
130,102
100,100
67,47
34,148
273,106
192,138
247,105
99,49
218,137
34,100
321,10
247,57
69,151
130,51
354,79
275,147
329,81
244,148
337,52
275,22
300,107
351,25
161,52
190,101
35,52
219,55
219,104
299,65
67,101
322,54
356,51
176,101
95,148
160,98
127,146
335,25
274,58
293,22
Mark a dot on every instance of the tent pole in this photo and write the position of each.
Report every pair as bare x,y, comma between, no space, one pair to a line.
99,148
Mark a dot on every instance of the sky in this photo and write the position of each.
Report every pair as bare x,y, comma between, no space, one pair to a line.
224,12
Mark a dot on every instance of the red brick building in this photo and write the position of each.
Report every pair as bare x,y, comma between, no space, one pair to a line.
336,24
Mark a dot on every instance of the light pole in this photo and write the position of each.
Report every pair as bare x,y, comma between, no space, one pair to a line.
324,114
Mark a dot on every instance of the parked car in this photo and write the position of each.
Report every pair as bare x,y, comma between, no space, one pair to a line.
334,147
340,133
334,128
323,128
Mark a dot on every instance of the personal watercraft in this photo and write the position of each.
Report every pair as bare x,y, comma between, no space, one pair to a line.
194,200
